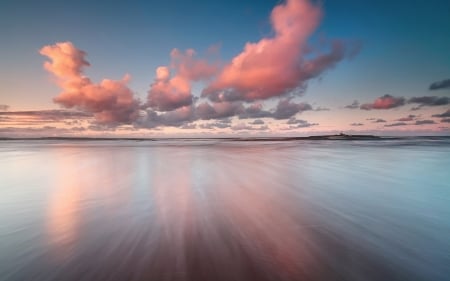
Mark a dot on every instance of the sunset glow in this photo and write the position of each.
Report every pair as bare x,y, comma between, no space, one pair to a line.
294,68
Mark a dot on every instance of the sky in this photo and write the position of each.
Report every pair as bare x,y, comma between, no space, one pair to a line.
224,68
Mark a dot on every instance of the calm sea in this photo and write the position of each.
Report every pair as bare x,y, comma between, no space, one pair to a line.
225,210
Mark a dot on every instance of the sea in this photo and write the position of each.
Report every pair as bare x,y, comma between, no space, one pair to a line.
225,209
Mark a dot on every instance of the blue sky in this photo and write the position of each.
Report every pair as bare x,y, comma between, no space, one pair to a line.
404,49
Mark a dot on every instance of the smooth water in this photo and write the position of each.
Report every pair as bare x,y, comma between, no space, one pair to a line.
225,210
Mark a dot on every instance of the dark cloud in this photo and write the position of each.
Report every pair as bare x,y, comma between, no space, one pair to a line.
43,131
257,122
187,114
220,124
294,120
255,110
356,124
56,114
177,117
217,110
286,109
444,84
229,95
407,118
442,115
127,129
206,111
174,118
445,120
215,125
379,120
43,117
353,105
208,126
8,130
429,101
305,125
425,122
396,124
384,102
100,127
225,120
49,128
299,123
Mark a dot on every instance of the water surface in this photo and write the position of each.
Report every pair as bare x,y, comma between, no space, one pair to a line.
225,210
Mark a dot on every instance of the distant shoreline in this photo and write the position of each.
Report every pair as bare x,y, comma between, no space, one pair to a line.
338,137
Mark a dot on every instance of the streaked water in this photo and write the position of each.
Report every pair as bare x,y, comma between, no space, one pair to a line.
225,210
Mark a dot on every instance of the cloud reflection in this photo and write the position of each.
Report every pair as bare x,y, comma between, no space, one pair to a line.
221,210
64,209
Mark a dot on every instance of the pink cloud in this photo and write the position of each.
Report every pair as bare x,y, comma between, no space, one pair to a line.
190,67
274,67
110,101
384,102
277,65
67,61
168,93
